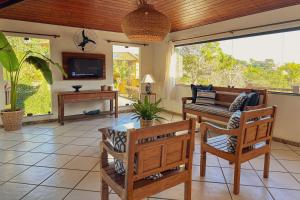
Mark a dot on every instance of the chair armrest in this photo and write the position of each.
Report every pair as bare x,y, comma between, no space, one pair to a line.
104,132
205,126
105,145
247,108
185,99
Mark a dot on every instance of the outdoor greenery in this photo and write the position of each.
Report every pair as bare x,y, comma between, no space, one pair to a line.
146,110
208,64
26,67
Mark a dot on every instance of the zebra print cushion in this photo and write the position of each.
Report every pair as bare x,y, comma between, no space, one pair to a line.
238,103
233,123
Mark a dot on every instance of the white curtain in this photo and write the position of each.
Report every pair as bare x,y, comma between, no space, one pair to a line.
170,73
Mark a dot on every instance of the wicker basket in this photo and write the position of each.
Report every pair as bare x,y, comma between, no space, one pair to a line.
12,120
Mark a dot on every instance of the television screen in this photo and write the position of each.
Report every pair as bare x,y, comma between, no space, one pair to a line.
85,68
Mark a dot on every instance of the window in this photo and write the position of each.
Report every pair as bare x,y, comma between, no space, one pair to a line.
34,93
266,61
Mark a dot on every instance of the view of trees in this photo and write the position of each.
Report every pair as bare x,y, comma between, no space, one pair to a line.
208,64
34,94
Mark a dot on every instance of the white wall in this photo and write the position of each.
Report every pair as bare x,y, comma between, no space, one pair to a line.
65,44
287,125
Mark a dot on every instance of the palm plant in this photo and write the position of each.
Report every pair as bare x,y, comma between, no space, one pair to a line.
146,110
13,66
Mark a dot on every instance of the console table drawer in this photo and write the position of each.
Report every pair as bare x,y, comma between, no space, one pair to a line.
87,97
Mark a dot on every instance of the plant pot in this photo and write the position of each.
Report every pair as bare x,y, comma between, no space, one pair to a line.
12,120
145,123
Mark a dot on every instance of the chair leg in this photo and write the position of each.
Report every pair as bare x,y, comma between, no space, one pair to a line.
183,115
104,190
199,119
267,165
188,190
203,163
237,177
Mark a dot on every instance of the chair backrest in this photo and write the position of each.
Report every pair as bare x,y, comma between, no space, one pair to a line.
256,126
167,151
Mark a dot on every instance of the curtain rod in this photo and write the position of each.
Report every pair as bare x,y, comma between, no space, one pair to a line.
30,33
235,30
114,41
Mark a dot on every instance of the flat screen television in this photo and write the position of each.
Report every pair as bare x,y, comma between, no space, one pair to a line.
84,66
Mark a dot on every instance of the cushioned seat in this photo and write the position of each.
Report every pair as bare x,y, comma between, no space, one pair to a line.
211,109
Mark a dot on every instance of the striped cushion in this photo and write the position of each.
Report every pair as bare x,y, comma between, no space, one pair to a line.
210,109
233,123
205,97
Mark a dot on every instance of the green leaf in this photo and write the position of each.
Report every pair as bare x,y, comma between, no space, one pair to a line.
41,65
8,58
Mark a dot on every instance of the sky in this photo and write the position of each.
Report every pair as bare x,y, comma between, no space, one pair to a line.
133,50
281,47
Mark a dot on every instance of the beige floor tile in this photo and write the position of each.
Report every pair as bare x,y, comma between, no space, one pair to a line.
90,182
280,180
291,166
29,158
248,177
283,194
74,133
55,160
83,141
93,134
278,145
96,168
25,146
80,195
200,190
47,148
211,160
34,175
71,150
8,171
225,163
295,148
16,136
213,174
297,176
285,155
82,163
6,156
61,140
258,164
251,193
91,152
5,144
47,193
41,138
65,178
14,191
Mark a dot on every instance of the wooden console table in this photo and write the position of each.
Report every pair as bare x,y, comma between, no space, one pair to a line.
88,95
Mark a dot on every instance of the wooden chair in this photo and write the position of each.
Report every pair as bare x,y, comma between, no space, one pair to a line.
254,137
171,156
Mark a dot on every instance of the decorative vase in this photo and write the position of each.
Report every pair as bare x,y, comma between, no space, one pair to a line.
145,123
12,120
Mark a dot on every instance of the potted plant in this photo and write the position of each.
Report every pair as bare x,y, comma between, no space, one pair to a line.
147,112
12,118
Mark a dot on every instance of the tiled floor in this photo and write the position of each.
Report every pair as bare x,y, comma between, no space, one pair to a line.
52,162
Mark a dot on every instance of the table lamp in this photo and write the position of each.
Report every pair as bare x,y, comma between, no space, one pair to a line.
148,80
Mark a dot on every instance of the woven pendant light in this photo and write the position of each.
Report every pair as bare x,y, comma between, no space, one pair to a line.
146,24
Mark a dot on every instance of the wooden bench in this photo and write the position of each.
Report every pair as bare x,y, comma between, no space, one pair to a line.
224,97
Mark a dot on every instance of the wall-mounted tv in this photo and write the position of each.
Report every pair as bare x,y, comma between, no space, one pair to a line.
81,66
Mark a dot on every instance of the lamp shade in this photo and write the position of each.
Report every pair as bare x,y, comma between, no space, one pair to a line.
148,79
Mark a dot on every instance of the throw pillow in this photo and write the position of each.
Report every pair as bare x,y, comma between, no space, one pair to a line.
205,97
238,102
195,89
252,99
233,123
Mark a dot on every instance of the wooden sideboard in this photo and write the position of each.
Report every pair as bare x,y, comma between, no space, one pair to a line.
83,96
